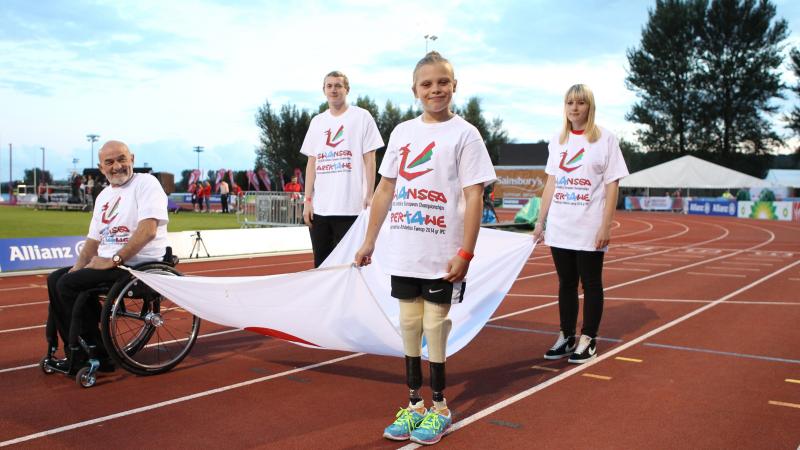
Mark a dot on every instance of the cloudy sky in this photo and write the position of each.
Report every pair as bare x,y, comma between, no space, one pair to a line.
167,76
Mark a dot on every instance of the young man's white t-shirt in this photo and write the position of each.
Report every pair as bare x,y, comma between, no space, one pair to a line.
432,163
118,211
339,143
581,170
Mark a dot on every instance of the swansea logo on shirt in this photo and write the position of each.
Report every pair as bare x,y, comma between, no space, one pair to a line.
337,138
111,213
422,158
569,166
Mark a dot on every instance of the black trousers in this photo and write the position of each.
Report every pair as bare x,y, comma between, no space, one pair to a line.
63,289
571,266
224,199
326,232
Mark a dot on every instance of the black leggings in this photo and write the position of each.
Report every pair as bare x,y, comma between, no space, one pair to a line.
588,266
326,232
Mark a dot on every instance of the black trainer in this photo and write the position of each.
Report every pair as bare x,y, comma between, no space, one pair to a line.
586,351
564,346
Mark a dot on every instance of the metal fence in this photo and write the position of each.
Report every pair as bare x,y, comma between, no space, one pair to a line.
259,209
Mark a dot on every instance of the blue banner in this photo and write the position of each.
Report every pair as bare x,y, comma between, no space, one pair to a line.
720,207
39,253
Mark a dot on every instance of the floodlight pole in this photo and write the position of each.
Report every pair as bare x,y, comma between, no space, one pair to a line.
431,37
92,138
198,149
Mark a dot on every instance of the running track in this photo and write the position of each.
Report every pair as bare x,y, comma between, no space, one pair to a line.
700,349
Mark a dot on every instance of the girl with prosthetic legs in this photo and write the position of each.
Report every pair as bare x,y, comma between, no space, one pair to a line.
433,175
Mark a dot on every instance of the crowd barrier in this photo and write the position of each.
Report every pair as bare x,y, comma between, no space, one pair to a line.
258,209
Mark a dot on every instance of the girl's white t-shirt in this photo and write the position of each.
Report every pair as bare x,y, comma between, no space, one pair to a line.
581,170
339,143
432,163
118,211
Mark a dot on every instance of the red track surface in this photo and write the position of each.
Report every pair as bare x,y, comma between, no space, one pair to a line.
704,312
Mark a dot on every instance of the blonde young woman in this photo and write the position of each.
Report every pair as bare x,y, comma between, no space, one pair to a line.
584,167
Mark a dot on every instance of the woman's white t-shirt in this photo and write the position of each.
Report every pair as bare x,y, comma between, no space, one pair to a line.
339,143
432,163
581,170
118,211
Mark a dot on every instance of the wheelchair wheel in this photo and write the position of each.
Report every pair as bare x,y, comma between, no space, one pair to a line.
145,332
85,378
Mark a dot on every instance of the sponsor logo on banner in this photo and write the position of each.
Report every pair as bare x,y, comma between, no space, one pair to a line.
712,207
39,253
796,208
766,210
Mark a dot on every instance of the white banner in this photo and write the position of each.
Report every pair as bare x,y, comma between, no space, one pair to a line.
342,307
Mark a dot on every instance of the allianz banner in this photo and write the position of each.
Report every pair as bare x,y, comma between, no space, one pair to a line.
39,253
720,207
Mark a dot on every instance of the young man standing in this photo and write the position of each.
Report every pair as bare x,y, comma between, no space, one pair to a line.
340,173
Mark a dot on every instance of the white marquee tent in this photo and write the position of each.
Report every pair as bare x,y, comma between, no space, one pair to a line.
690,172
784,177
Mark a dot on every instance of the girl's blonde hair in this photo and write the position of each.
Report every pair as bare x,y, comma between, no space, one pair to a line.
580,92
433,57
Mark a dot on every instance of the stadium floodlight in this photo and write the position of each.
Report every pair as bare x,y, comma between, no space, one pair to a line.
92,138
429,37
198,149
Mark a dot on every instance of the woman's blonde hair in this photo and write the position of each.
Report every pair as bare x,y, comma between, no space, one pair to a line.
580,92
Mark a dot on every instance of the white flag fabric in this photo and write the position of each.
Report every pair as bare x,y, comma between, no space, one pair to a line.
342,307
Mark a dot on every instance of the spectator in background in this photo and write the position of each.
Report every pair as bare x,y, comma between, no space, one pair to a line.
89,191
199,193
224,191
193,191
727,195
207,195
293,186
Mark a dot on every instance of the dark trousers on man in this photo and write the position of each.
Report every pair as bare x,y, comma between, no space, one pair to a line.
326,232
224,199
586,266
63,289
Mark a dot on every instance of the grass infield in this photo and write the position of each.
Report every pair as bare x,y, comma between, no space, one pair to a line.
20,222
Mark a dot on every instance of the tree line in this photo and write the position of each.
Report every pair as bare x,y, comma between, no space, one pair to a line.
706,75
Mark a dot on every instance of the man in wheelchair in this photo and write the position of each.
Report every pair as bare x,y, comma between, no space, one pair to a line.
129,226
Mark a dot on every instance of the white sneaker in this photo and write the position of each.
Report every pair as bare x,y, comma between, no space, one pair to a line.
586,351
564,346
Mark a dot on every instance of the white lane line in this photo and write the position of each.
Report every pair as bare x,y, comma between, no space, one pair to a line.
257,266
217,333
794,279
725,234
668,300
734,263
748,269
648,264
185,398
12,330
24,304
708,274
611,352
19,288
628,269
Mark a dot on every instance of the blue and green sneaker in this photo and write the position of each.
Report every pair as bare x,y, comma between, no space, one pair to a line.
406,421
432,428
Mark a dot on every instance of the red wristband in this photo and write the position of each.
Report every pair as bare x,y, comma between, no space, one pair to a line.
307,199
465,255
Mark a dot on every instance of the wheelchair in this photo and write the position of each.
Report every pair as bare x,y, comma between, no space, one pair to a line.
141,331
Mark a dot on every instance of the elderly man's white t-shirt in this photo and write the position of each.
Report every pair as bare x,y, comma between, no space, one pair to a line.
339,143
433,163
118,211
581,170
